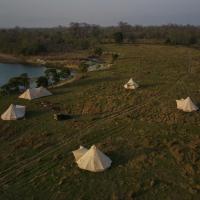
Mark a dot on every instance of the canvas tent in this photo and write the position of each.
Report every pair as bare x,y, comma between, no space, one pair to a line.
131,85
186,105
14,112
34,93
94,160
79,152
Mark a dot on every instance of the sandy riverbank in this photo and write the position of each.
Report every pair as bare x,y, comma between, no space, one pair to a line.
55,61
7,58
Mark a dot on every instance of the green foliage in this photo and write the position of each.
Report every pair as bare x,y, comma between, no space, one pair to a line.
5,90
55,75
40,41
42,81
33,49
19,81
50,72
15,82
181,38
81,36
52,75
64,73
118,37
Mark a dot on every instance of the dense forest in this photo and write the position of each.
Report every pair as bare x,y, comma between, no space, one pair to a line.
80,36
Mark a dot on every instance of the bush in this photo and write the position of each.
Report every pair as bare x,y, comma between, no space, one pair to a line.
64,73
52,75
5,90
14,84
42,81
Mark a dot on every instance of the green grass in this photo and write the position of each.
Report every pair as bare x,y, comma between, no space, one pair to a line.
153,146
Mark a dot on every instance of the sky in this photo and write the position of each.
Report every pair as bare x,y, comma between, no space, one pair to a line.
50,13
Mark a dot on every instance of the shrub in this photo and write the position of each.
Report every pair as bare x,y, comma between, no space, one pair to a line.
42,81
52,75
64,73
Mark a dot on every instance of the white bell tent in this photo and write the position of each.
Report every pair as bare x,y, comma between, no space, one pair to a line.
14,112
94,160
35,93
131,85
79,152
186,105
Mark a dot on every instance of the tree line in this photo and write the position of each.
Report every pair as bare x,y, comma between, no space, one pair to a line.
80,36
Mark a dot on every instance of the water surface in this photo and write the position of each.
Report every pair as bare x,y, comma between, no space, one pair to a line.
8,71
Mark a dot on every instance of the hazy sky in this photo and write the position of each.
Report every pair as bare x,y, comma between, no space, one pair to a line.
45,13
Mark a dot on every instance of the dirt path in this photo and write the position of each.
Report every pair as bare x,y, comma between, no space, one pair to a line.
62,83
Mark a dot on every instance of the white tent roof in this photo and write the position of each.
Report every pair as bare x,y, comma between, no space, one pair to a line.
34,93
94,160
14,112
79,152
131,85
186,105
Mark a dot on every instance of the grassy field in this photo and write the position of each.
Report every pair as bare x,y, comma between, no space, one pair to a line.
155,148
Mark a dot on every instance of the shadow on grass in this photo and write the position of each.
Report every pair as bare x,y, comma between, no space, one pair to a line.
198,105
118,159
66,117
30,114
146,86
61,91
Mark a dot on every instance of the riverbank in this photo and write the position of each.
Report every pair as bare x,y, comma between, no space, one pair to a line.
7,58
58,61
70,60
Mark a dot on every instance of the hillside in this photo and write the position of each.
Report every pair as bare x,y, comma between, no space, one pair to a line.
155,148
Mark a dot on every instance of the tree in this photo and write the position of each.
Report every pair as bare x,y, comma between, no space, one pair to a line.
25,80
5,89
118,37
64,73
32,48
42,81
124,27
15,82
52,75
